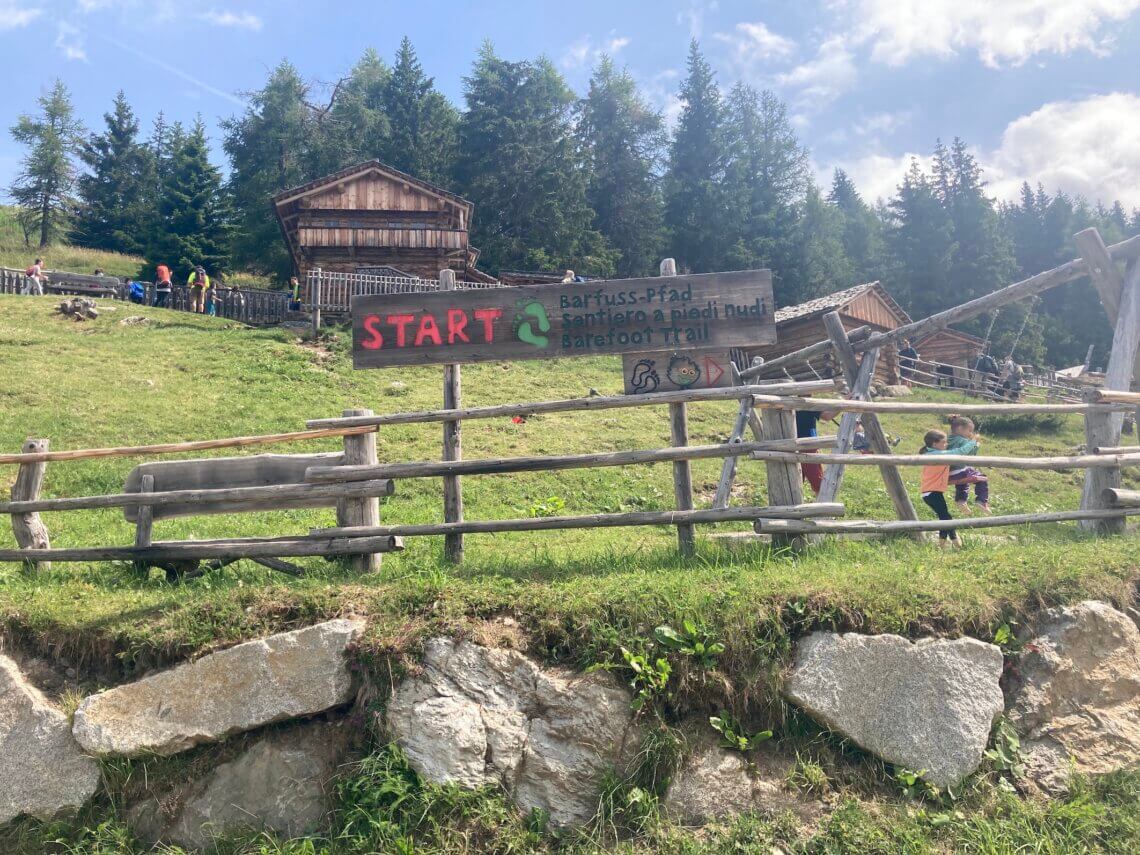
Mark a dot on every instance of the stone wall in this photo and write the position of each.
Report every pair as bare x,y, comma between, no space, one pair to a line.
479,716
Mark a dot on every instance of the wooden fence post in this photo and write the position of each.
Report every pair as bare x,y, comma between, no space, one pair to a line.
1103,429
452,445
877,438
785,484
144,522
360,449
315,299
29,529
682,470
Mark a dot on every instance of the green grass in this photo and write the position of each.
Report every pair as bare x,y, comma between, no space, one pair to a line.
576,596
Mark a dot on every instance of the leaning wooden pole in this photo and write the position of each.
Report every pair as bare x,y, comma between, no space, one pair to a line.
860,390
877,438
28,529
452,446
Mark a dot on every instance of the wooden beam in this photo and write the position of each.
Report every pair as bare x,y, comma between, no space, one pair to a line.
728,468
637,518
1102,270
787,402
144,522
1119,498
181,447
1059,464
876,436
549,463
785,527
785,482
860,390
803,355
204,549
360,450
598,402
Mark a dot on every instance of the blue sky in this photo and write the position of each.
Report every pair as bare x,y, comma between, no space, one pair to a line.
1047,90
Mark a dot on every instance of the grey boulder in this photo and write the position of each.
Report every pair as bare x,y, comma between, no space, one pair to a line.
928,705
284,676
43,771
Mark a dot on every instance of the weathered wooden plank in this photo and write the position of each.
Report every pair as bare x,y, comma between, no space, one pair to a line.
785,483
204,549
636,518
1102,270
728,468
360,451
27,527
238,496
682,476
789,402
551,463
216,473
785,527
452,444
598,402
710,310
1118,498
1058,464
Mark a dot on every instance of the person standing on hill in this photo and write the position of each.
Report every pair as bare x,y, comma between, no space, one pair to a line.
162,286
294,294
908,360
34,286
198,283
935,481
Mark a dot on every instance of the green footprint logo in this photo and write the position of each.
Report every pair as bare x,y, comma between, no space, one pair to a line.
525,330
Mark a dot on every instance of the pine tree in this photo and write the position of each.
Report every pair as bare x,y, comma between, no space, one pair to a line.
623,139
422,123
353,127
194,213
920,239
766,185
696,211
268,151
113,193
862,230
43,186
823,261
520,164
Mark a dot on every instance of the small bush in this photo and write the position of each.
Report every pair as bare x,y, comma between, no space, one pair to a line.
1022,425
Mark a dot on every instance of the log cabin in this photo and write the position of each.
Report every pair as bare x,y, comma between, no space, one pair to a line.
372,216
798,326
950,354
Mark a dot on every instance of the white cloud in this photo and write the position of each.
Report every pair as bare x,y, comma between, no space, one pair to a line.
228,18
69,41
584,52
753,43
693,16
1000,31
14,14
1089,147
821,80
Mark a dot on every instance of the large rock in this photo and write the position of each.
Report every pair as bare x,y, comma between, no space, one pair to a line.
276,678
714,783
42,770
927,706
280,783
1078,703
477,716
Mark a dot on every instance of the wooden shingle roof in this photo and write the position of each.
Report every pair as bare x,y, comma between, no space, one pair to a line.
838,301
350,172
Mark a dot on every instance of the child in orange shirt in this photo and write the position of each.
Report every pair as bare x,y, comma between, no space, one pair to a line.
935,480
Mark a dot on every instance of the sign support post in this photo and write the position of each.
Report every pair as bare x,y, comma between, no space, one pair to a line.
452,446
682,470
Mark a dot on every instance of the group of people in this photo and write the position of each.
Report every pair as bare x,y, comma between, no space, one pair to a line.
937,478
202,292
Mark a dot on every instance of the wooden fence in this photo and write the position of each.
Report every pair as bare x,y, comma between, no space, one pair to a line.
253,306
353,481
330,291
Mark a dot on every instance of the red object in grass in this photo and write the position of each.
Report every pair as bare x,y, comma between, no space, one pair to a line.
518,420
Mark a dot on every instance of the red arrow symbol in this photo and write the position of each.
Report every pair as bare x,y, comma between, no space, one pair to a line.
711,366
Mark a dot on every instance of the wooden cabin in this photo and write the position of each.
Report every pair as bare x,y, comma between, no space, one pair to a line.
864,305
372,216
950,354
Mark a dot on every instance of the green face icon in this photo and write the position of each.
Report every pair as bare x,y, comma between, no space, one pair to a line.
525,328
683,371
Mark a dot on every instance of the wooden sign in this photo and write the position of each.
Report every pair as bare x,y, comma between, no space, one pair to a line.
673,371
708,310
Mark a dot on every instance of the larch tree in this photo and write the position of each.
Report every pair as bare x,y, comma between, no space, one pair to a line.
268,148
113,192
522,167
45,182
696,212
624,139
352,126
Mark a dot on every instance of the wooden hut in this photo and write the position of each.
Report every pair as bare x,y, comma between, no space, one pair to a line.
864,305
949,354
372,216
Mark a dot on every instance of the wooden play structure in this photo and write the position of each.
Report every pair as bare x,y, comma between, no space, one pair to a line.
354,480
